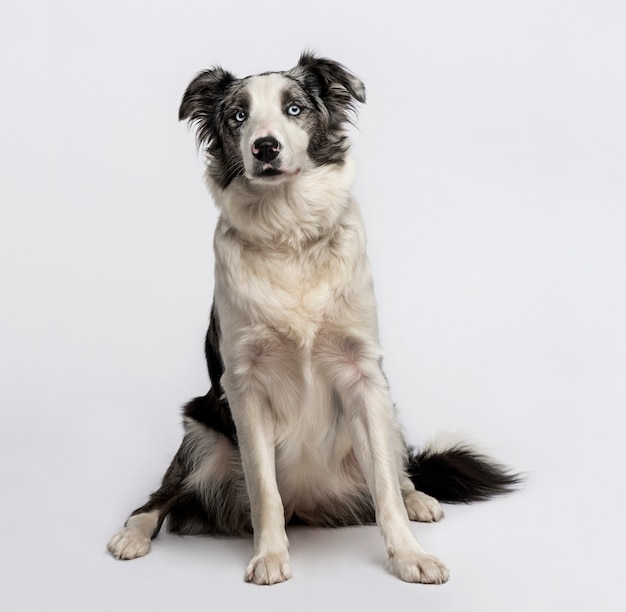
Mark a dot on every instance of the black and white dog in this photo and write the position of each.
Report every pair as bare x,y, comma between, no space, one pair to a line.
299,425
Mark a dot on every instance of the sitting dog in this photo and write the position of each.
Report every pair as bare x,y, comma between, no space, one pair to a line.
298,425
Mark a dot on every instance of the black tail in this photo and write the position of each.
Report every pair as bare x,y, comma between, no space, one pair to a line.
459,475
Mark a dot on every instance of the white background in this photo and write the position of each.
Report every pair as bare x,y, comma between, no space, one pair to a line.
492,179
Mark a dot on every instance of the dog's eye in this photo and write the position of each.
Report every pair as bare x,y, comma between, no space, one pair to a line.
293,110
240,116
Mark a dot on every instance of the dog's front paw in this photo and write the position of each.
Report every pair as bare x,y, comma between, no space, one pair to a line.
129,543
269,569
422,507
418,567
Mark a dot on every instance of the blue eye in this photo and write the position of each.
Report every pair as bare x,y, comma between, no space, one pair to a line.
294,110
240,116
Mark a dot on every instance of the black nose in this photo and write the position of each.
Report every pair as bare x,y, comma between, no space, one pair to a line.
266,149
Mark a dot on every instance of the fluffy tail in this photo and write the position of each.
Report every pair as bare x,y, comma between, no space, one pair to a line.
459,474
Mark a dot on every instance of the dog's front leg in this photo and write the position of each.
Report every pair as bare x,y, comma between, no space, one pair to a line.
354,367
375,451
255,433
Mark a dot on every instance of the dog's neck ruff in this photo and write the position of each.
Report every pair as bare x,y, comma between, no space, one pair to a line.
293,213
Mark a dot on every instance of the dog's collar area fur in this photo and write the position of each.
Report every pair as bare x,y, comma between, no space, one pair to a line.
298,211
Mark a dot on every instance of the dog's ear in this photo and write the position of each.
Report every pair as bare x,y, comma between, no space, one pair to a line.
202,101
333,81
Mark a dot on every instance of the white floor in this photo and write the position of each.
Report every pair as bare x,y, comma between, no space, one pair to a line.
552,546
492,181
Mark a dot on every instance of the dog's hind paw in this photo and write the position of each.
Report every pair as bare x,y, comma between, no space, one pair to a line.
422,507
129,543
268,569
418,567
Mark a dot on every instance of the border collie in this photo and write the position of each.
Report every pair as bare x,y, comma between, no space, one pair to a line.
298,425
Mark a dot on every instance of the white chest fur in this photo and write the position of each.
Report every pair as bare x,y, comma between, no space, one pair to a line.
293,292
293,262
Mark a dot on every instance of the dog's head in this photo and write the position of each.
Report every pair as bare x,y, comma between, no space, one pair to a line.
271,127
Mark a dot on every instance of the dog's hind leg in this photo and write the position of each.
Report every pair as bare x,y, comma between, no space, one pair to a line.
134,539
419,506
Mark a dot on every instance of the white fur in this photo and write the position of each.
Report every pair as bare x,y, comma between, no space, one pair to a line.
134,540
298,319
268,119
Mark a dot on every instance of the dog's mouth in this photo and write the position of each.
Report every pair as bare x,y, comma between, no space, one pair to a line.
271,173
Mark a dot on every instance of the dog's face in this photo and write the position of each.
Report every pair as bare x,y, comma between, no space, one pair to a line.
272,127
267,121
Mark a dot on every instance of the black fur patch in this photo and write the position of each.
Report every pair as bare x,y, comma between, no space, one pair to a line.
227,513
204,105
333,89
168,494
212,409
459,475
